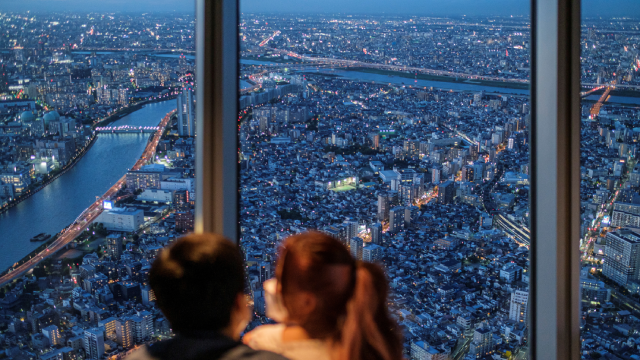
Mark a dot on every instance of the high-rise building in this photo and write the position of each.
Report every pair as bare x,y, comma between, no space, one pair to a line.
436,174
51,332
371,252
518,306
408,193
482,344
356,244
622,256
265,271
383,207
124,95
184,221
94,343
124,332
446,192
148,295
351,229
186,113
114,246
396,219
410,215
376,233
625,214
468,173
181,200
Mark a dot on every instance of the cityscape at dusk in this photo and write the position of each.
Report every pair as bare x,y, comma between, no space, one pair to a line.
404,136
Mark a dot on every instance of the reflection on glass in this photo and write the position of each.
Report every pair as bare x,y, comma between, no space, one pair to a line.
610,203
406,137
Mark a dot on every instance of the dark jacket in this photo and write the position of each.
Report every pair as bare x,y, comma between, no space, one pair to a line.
201,346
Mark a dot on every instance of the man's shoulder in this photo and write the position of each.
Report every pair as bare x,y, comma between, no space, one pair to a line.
243,352
239,352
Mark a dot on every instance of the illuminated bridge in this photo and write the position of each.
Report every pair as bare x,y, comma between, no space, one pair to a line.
126,129
521,234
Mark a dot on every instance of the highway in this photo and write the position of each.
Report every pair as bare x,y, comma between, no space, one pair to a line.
88,215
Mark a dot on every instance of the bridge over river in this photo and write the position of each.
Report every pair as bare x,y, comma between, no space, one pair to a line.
123,129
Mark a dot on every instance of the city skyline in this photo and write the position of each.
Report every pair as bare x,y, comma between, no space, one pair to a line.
404,137
591,8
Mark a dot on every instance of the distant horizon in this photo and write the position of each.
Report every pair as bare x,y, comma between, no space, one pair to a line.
436,8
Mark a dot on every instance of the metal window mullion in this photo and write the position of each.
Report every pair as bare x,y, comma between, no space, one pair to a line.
555,188
216,117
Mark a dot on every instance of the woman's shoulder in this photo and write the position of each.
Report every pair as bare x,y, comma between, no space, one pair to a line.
265,337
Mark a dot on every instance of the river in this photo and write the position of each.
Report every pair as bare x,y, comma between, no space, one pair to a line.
57,205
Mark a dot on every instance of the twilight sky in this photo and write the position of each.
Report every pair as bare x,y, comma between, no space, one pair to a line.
421,7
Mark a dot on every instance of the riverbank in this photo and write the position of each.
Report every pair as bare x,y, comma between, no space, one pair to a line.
65,168
88,216
108,120
413,76
128,110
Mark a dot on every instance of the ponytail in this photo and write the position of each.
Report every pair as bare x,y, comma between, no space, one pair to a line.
369,332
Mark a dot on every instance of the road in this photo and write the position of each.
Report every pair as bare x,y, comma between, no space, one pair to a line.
463,349
586,244
88,215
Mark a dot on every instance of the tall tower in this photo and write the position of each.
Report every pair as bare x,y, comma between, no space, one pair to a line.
186,113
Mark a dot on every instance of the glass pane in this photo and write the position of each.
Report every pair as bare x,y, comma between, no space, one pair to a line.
96,169
405,136
610,236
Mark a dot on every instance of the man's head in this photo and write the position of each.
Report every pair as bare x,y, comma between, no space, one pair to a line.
199,283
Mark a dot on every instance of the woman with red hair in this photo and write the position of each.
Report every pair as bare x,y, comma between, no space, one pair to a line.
334,308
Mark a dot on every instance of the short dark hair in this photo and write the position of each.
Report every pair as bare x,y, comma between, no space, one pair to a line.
196,281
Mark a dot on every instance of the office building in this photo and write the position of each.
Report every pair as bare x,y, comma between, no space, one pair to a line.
121,219
622,257
446,192
625,215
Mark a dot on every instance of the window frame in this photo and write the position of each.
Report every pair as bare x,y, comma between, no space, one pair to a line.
217,55
555,173
554,317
